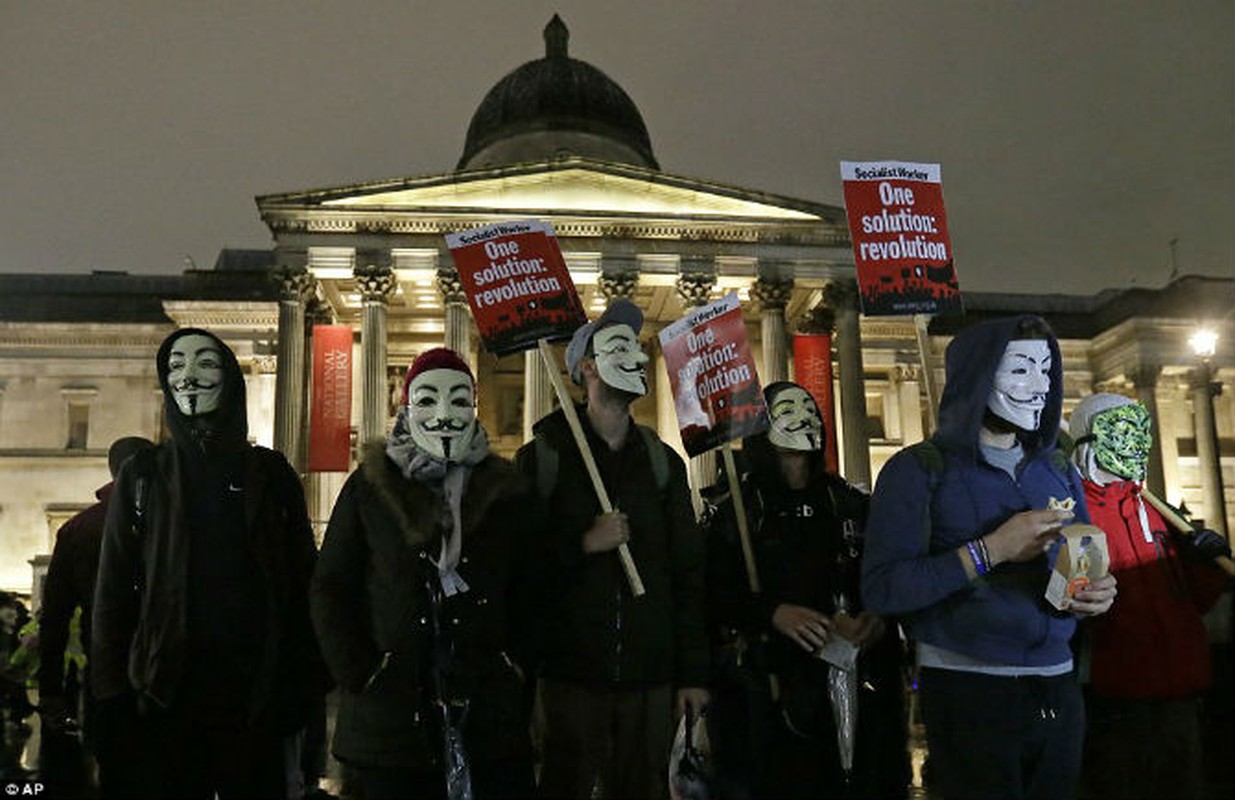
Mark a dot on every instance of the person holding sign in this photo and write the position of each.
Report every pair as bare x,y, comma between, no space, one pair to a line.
806,530
958,539
614,660
425,601
1149,657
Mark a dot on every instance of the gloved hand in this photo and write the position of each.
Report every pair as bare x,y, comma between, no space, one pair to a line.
1204,545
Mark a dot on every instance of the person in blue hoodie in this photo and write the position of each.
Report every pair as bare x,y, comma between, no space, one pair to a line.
959,543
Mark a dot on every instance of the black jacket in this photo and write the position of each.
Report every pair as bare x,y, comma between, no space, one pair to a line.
598,633
140,635
807,545
374,617
69,584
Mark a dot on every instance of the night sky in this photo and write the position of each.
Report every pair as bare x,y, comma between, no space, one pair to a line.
1077,139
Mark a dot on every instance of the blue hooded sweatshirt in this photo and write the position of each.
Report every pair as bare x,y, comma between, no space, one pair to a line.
910,566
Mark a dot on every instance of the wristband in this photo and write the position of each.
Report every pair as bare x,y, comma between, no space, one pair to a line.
976,555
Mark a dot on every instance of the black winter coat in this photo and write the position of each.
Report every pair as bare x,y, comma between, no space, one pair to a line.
69,584
598,633
140,631
807,548
375,620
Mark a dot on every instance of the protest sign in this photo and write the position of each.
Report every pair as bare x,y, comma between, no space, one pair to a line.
715,387
517,284
330,417
900,238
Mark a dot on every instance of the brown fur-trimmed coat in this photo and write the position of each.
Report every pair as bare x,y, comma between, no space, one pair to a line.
373,617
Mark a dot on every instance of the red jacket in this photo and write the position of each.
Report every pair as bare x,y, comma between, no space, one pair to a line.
1152,643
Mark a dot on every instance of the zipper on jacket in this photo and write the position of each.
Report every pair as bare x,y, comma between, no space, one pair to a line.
617,637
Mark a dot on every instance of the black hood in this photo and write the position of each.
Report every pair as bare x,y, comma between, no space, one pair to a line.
970,364
225,428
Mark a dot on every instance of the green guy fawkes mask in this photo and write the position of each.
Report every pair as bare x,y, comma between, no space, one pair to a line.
1121,441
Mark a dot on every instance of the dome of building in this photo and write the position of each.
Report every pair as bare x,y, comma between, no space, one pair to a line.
556,106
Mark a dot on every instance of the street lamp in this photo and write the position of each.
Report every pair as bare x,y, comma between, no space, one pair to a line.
1204,343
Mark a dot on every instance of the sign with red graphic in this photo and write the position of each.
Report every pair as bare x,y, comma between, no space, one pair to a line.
900,238
812,370
330,417
517,284
716,390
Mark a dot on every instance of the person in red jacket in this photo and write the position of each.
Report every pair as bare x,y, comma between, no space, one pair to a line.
1149,656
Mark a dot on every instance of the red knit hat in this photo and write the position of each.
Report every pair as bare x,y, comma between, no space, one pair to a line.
437,358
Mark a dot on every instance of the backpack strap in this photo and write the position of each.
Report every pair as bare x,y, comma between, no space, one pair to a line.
142,468
930,457
548,461
546,467
656,454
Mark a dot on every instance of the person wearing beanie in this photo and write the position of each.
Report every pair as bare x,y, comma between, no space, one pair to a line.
615,664
962,532
202,648
426,599
806,530
1148,658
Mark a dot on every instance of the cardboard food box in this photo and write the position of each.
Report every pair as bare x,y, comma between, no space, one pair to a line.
1081,559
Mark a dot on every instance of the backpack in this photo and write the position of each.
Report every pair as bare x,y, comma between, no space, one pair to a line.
548,461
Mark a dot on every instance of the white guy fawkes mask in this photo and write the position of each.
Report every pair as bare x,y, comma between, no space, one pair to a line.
796,422
1022,381
441,410
195,374
620,359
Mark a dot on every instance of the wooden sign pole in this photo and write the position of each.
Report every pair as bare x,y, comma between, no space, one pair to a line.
739,508
1171,516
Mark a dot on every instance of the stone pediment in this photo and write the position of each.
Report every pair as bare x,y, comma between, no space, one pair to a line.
577,187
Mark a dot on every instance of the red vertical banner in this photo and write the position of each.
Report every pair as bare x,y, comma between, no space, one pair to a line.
899,230
812,370
330,419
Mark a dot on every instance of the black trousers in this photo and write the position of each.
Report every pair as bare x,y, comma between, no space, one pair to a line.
1002,737
491,780
184,760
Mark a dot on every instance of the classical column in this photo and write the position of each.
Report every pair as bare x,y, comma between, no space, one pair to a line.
1203,389
375,280
905,377
296,287
620,283
458,319
537,391
695,289
1145,379
842,296
772,294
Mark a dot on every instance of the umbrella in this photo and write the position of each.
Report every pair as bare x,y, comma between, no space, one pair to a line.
843,694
